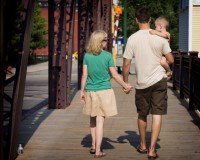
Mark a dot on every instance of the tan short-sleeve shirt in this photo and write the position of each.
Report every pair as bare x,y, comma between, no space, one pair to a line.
147,50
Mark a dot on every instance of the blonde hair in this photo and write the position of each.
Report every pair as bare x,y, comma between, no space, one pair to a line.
94,45
162,21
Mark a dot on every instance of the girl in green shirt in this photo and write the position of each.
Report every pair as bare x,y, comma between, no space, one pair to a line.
96,90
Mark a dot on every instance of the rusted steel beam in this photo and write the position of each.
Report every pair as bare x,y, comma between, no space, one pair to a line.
93,15
102,18
106,21
19,84
1,78
89,23
61,26
52,70
99,11
70,46
9,11
57,54
61,57
82,23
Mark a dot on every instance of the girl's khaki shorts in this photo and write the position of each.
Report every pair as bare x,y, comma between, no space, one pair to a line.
100,103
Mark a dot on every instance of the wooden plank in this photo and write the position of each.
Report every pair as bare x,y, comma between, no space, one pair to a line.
64,134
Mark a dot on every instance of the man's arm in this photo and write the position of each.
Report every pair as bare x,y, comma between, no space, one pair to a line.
126,69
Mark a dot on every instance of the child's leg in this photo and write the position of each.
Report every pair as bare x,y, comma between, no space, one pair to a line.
165,65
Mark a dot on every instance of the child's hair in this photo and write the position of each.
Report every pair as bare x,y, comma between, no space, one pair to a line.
94,45
163,21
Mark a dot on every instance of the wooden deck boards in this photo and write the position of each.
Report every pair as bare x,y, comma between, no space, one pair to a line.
63,134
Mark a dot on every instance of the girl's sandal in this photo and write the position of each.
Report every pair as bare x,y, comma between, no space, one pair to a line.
100,155
92,151
140,150
153,157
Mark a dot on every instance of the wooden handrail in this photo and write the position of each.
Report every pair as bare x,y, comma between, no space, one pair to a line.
186,76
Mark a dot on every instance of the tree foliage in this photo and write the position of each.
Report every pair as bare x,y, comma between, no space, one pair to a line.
169,9
38,39
38,33
13,21
16,32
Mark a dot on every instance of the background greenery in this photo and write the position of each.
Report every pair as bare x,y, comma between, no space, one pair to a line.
39,31
169,9
38,34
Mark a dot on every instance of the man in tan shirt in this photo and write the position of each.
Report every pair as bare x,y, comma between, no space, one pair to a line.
151,86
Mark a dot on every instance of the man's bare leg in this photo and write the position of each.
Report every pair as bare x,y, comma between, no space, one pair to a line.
155,131
142,126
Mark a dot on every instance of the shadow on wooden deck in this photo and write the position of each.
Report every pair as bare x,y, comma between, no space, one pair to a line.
64,134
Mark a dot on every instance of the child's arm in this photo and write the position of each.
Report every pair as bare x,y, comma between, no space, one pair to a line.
165,64
154,32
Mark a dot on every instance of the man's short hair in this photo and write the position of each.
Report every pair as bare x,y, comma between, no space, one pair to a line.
143,15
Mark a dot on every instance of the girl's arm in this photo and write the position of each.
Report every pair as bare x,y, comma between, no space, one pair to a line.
83,83
127,87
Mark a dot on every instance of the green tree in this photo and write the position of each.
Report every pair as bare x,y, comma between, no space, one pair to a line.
16,32
168,9
38,35
13,21
39,31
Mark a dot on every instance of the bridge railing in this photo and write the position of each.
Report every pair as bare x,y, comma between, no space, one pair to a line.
186,76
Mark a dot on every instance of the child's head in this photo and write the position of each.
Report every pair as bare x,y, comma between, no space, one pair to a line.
97,42
161,23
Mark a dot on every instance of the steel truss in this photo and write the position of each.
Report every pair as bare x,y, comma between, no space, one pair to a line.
92,15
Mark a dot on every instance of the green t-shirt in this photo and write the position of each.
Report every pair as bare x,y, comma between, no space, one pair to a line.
98,70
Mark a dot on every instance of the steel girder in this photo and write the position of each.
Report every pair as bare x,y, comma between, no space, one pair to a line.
1,78
70,46
93,15
19,83
106,21
82,32
61,24
13,116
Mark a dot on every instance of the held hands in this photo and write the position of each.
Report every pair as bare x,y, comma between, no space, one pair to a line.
128,88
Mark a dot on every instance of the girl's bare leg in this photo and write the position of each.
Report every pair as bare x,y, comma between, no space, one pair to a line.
99,133
93,131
